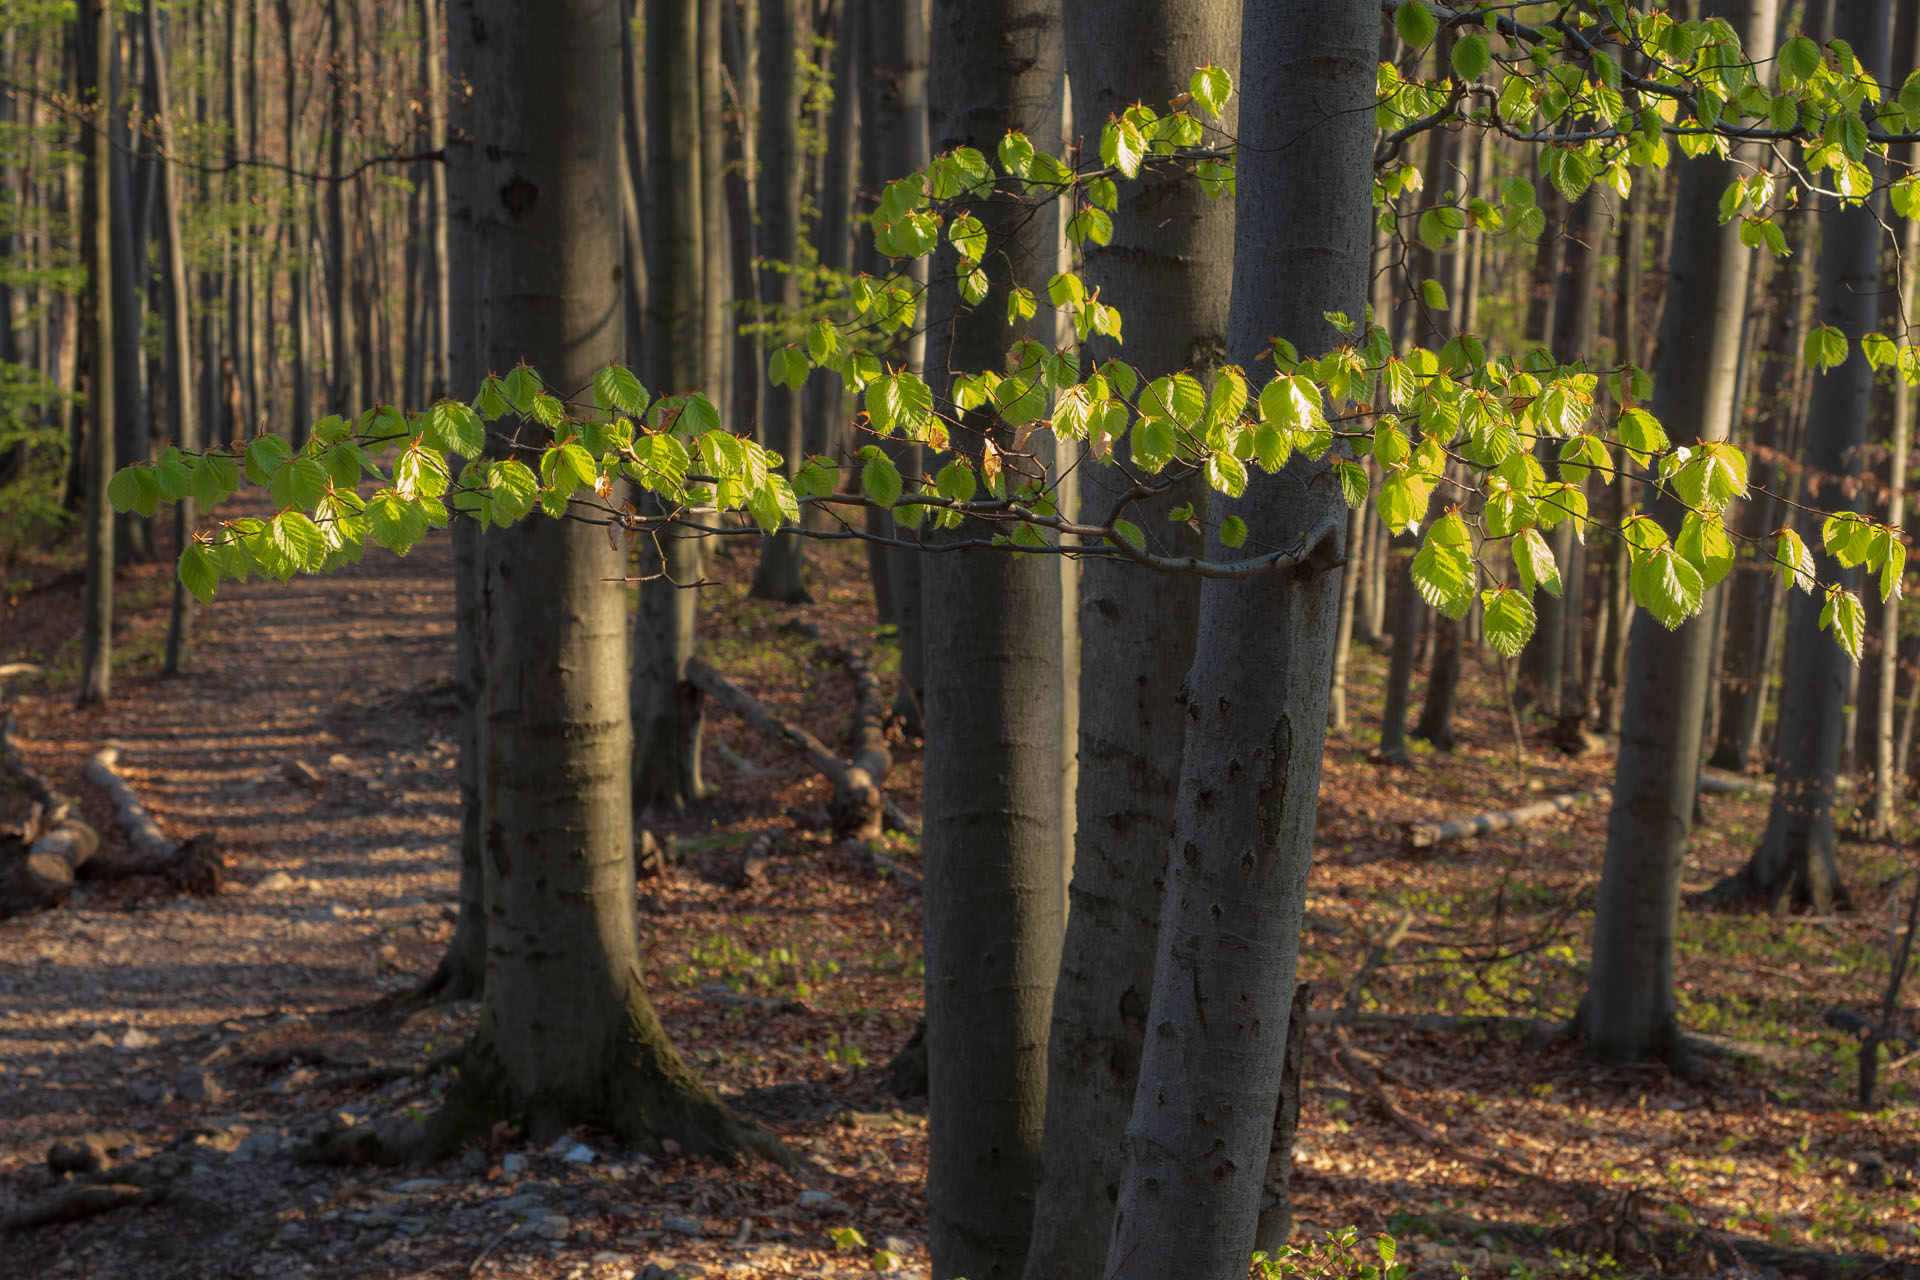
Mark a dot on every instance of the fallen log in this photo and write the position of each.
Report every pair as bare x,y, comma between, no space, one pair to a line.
149,843
191,864
858,809
1424,835
38,866
84,1200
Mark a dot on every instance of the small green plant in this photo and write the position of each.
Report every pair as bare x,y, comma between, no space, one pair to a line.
1343,1255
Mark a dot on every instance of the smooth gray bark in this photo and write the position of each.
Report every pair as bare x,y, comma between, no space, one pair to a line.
95,38
893,141
1203,1112
666,761
782,571
339,364
994,706
1794,863
183,427
1168,268
566,1035
1630,1010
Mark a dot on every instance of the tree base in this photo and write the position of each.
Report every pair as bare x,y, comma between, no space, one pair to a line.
647,1095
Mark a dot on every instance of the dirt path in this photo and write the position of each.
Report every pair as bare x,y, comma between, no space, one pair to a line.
208,1029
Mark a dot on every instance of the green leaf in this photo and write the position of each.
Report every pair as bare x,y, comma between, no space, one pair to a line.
264,456
1846,617
1020,305
133,489
969,236
1666,586
1433,294
395,523
199,573
1799,59
879,477
1016,154
1353,482
1403,499
1825,347
1533,558
1471,58
215,476
1891,555
1211,87
299,482
1443,567
512,486
1226,473
1507,619
1640,434
1129,532
1233,532
1848,537
1704,542
1415,23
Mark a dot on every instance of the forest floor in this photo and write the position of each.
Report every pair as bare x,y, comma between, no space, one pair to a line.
313,738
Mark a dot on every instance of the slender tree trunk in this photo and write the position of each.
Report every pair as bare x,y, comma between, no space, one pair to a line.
1404,619
133,533
992,835
666,757
339,363
714,276
1794,863
183,426
826,425
782,572
1168,268
893,144
566,1034
96,41
1544,663
1630,1010
1203,1112
738,35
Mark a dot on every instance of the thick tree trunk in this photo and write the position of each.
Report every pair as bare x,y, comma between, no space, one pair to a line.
566,1034
95,39
1630,1008
782,572
1168,268
994,709
1794,863
1203,1113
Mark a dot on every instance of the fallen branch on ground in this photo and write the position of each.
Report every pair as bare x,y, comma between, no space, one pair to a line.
71,1204
1424,835
858,808
191,864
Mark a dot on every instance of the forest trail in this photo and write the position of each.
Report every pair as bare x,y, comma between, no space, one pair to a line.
221,1031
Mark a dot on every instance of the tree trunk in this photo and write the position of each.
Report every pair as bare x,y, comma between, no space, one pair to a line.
1630,1011
666,757
95,40
566,1033
1404,619
1543,665
298,309
1755,594
183,427
738,34
782,572
133,532
1203,1113
1794,863
992,835
894,143
1168,268
339,364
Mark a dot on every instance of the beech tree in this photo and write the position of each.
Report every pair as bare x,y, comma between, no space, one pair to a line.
1275,440
1630,1009
1167,267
